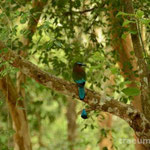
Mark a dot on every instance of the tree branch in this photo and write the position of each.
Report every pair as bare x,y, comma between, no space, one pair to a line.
134,118
85,11
81,11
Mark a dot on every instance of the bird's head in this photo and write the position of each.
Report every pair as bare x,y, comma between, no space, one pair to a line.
80,64
78,67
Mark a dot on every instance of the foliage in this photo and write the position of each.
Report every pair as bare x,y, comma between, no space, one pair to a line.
69,31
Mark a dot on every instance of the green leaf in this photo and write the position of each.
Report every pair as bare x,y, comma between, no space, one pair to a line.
92,126
23,18
77,3
133,32
124,35
57,43
124,99
139,13
1,103
17,13
114,70
103,132
4,50
131,91
122,84
126,22
145,21
120,13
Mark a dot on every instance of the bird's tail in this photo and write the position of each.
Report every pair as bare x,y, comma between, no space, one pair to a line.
81,92
84,114
82,96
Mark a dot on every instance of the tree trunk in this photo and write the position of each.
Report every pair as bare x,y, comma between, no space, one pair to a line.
15,100
145,86
124,47
145,105
127,45
18,114
106,123
71,119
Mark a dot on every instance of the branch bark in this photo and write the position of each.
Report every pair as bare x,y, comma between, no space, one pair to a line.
127,112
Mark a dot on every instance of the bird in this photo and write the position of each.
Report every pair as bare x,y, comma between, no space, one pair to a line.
79,76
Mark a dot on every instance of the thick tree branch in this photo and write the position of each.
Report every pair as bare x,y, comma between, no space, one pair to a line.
135,119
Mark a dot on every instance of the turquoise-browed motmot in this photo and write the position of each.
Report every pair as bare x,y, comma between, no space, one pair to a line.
79,76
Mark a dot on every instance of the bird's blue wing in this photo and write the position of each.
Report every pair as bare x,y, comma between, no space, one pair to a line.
80,81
